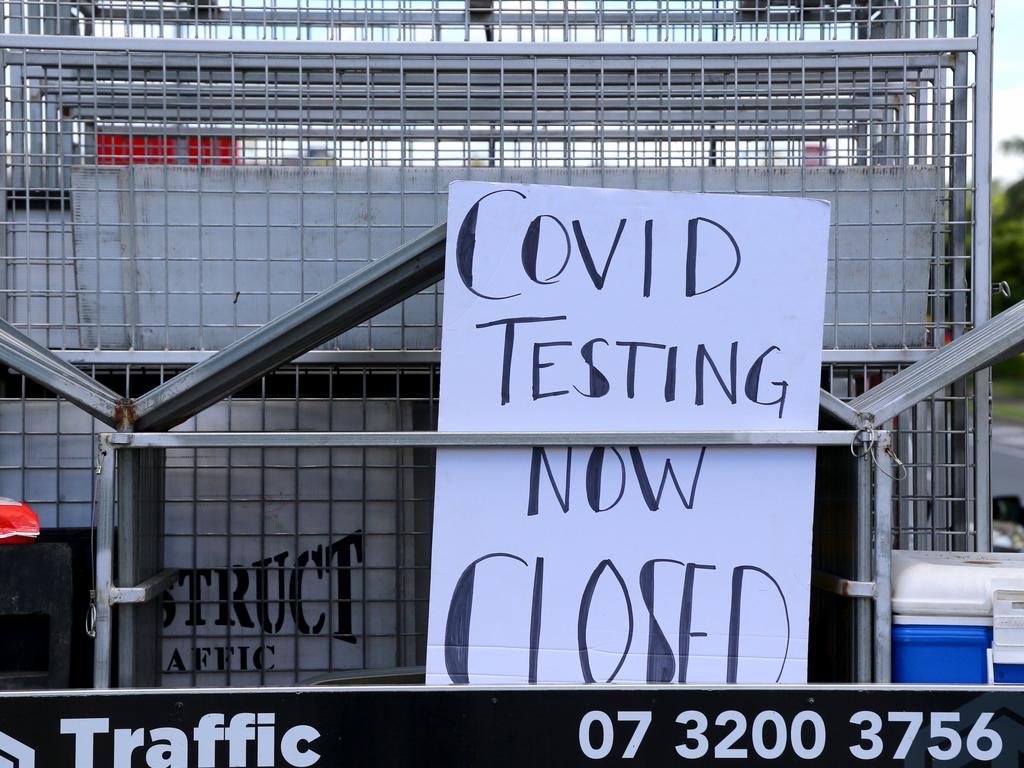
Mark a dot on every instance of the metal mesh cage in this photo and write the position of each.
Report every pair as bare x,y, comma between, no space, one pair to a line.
494,20
183,200
177,174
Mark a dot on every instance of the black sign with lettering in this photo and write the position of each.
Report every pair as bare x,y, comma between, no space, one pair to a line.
333,727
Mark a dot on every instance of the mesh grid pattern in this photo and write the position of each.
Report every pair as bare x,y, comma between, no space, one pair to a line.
176,202
495,20
163,201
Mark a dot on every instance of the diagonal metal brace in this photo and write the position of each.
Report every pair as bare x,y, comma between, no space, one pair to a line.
998,339
41,365
382,283
832,405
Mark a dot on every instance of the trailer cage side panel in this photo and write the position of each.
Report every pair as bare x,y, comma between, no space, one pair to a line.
180,177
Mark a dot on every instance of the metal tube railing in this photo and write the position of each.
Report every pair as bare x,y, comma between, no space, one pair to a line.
107,594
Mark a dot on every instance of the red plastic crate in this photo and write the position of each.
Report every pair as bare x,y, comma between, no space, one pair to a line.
119,149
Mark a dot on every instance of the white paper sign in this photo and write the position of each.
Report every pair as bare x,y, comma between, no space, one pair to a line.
575,309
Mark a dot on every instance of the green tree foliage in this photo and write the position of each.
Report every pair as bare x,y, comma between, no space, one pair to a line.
1008,234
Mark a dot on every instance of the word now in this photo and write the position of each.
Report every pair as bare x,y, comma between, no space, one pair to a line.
595,473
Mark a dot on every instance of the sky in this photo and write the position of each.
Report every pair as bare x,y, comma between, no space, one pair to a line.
1008,87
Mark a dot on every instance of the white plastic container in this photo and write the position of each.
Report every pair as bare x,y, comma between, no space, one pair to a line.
958,617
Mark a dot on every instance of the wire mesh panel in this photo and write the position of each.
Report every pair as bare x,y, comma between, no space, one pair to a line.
936,492
170,167
292,563
509,20
47,453
177,174
162,279
298,562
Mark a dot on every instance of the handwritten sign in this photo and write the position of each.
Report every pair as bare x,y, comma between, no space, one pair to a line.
572,309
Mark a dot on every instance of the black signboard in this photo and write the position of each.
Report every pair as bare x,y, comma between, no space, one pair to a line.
336,727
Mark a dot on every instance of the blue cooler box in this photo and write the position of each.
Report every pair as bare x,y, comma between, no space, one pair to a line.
958,618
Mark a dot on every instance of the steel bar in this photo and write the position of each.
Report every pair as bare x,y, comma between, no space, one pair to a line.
837,585
393,132
884,475
184,358
741,69
187,114
981,270
981,244
489,49
371,17
836,408
873,356
120,357
863,571
380,284
477,439
391,89
104,524
46,368
141,502
977,349
982,469
386,128
146,590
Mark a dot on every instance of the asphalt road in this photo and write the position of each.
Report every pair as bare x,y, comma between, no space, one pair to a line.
1008,460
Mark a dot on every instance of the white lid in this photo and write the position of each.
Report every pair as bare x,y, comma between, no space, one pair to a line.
952,583
1007,655
943,621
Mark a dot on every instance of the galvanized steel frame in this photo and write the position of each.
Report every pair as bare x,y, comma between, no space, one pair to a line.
972,352
981,267
43,366
872,647
298,329
796,48
380,284
493,17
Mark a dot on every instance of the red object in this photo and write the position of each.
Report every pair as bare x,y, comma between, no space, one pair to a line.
118,149
113,149
815,153
18,523
210,151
